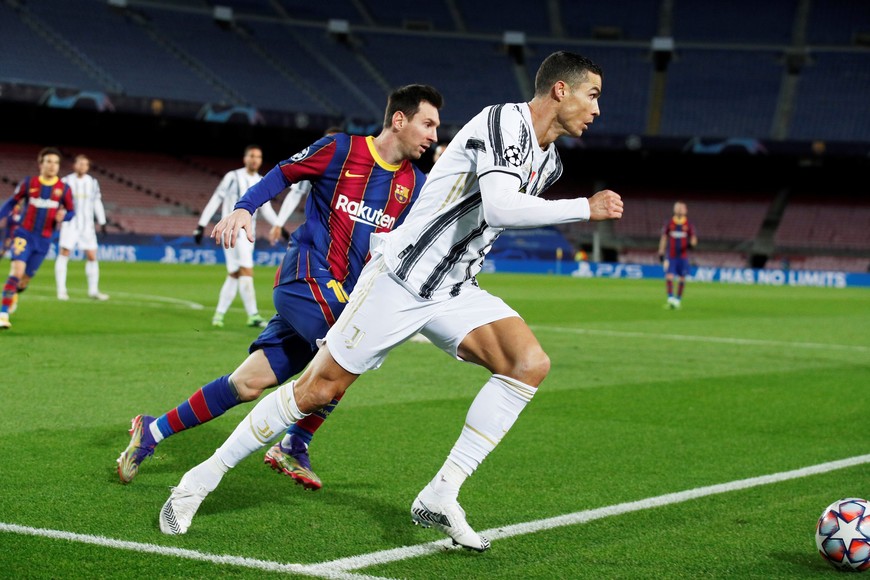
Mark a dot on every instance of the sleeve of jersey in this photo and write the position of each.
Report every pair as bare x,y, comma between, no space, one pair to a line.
310,163
68,204
505,207
215,202
267,212
7,206
99,209
294,196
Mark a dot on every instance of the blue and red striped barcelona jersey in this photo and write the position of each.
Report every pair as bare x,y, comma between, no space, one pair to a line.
679,232
41,203
354,193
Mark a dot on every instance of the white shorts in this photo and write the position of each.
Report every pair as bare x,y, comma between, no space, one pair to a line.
383,313
71,237
242,256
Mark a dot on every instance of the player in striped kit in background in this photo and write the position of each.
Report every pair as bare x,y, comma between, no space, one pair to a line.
47,201
678,236
80,231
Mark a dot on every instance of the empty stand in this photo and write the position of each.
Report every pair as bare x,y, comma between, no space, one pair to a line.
721,93
735,21
624,20
833,98
823,223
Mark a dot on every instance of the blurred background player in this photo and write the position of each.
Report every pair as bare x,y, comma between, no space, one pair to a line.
294,197
46,201
678,236
240,259
80,231
360,185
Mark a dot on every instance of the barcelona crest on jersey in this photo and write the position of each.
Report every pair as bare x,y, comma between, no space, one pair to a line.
401,194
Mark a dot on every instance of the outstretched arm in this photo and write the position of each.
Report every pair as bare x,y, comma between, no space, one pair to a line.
506,207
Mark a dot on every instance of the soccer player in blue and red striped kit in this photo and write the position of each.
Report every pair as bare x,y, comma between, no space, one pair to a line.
47,201
678,236
360,186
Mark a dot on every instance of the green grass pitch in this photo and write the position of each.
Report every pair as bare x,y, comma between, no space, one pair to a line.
641,402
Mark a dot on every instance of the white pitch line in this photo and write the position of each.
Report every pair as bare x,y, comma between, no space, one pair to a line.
181,553
341,569
156,299
714,339
386,556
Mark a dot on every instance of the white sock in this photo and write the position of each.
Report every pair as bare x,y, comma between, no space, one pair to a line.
155,432
227,295
92,272
270,417
208,474
60,267
249,299
490,417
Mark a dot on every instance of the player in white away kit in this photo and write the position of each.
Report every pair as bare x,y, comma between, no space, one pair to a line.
239,259
80,231
421,278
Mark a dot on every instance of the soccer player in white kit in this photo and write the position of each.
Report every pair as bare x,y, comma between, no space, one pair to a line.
80,231
240,258
421,278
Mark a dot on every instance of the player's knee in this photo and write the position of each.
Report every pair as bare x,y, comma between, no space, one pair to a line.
531,367
250,387
316,394
538,365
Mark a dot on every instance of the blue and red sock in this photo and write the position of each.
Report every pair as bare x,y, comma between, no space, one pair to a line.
9,290
305,428
210,401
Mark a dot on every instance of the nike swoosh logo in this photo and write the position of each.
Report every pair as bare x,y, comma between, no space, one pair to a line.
347,173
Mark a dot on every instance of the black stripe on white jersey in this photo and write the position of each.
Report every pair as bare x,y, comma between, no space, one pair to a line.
557,173
448,262
493,125
411,256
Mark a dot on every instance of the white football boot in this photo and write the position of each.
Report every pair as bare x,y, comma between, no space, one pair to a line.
178,511
428,510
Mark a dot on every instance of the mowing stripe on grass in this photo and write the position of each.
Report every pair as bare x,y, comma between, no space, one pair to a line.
150,300
340,569
714,339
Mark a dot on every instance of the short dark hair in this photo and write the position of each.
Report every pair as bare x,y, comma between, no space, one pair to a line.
48,151
253,146
332,130
565,66
408,98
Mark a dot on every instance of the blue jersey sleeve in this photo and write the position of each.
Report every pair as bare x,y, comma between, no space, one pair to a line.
6,208
267,188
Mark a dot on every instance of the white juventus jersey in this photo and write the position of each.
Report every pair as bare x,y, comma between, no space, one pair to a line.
233,186
294,195
442,243
88,201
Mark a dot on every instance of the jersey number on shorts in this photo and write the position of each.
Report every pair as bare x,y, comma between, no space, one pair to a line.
340,294
18,245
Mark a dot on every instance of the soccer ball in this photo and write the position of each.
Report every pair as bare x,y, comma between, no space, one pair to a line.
843,534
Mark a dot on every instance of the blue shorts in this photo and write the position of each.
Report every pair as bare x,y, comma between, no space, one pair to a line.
306,309
678,267
30,248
